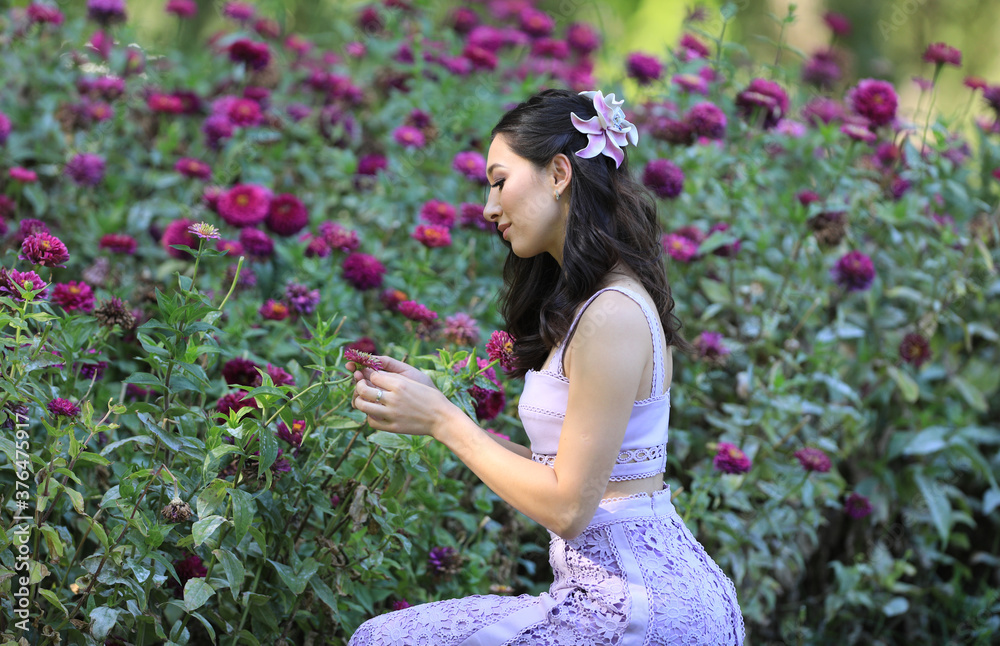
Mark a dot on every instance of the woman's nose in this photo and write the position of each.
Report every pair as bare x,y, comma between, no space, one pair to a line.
491,211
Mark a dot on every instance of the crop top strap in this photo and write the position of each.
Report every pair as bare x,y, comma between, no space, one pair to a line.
654,330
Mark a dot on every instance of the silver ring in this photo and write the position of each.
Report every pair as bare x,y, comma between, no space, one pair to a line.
378,397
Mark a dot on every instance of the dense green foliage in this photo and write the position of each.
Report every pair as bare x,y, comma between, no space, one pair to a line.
837,276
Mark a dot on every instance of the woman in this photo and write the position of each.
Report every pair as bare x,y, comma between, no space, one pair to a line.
587,300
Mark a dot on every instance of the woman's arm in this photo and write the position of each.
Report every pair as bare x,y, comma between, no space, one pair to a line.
610,350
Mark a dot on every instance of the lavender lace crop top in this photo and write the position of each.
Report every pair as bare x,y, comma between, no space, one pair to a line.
542,408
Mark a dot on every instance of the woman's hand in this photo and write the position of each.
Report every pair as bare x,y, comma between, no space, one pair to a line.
396,403
394,366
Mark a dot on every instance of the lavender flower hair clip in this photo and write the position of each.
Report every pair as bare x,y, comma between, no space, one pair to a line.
609,131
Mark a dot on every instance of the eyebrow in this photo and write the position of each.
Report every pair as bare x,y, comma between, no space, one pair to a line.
489,171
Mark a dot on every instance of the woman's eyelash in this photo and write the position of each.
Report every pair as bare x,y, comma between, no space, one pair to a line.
498,183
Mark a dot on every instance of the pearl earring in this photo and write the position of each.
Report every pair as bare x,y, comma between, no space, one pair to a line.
557,195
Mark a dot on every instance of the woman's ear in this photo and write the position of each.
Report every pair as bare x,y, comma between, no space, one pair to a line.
561,171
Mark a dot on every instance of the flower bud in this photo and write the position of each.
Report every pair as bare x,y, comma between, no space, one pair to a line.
176,511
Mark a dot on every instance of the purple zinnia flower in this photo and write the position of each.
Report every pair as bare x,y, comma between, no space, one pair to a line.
234,401
472,216
664,178
536,23
439,213
461,328
256,242
11,280
470,164
763,99
190,567
875,100
244,205
280,376
118,243
490,402
241,372
409,137
813,459
706,120
337,237
363,271
63,408
86,169
4,128
582,38
822,70
914,349
730,459
822,110
941,54
710,347
44,249
178,233
106,12
273,310
372,164
294,434
44,14
194,168
23,175
216,128
301,299
253,54
857,506
287,215
74,296
854,271
239,11
443,561
500,348
416,312
182,8
679,247
362,358
838,23
643,68
432,235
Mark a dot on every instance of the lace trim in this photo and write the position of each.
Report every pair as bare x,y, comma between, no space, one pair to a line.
637,476
635,496
541,411
627,456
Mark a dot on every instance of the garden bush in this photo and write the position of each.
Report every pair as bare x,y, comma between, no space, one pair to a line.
195,240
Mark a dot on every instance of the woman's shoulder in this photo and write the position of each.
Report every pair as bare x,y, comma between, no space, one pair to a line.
615,315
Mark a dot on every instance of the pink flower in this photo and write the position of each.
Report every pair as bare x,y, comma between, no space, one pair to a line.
255,55
679,247
432,235
256,242
280,376
730,459
875,100
490,402
763,100
337,237
470,164
362,359
182,8
244,205
582,38
241,372
822,70
106,12
472,216
63,408
416,312
691,83
409,137
178,233
838,23
500,348
193,168
4,128
85,169
118,243
165,103
643,68
438,213
664,178
710,348
205,231
287,215
914,349
273,310
460,328
13,281
941,54
692,48
44,249
73,296
23,175
813,459
857,506
854,271
44,14
706,120
536,23
859,132
363,271
294,434
608,131
391,298
234,401
239,11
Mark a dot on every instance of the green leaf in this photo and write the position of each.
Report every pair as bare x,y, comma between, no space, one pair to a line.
972,395
715,291
929,440
212,497
102,620
233,568
203,529
244,508
143,379
168,438
938,505
991,500
54,600
268,451
296,580
907,387
389,440
896,606
76,498
196,593
324,593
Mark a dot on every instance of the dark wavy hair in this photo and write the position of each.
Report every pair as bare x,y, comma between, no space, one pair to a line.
612,219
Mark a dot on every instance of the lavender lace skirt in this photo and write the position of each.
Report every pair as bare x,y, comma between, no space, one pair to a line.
635,576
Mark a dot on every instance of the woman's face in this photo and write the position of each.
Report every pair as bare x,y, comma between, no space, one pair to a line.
522,202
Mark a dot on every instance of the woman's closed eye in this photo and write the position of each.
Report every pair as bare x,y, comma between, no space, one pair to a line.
499,183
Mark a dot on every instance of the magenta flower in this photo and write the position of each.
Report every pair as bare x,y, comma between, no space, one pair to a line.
241,372
255,55
470,164
362,359
822,70
443,561
859,132
216,128
500,348
710,348
301,299
363,271
74,296
914,349
582,38
4,128
44,14
273,310
106,12
813,459
490,402
372,164
205,231
193,168
391,298
287,215
536,23
679,247
432,235
256,242
691,83
118,243
416,312
822,110
730,459
86,169
409,137
438,213
664,178
643,68
44,249
764,100
235,401
838,23
239,11
243,112
706,120
854,271
294,434
691,48
244,205
875,100
337,237
857,506
165,103
401,604
178,233
608,131
461,328
280,376
471,216
941,54
63,408
182,8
